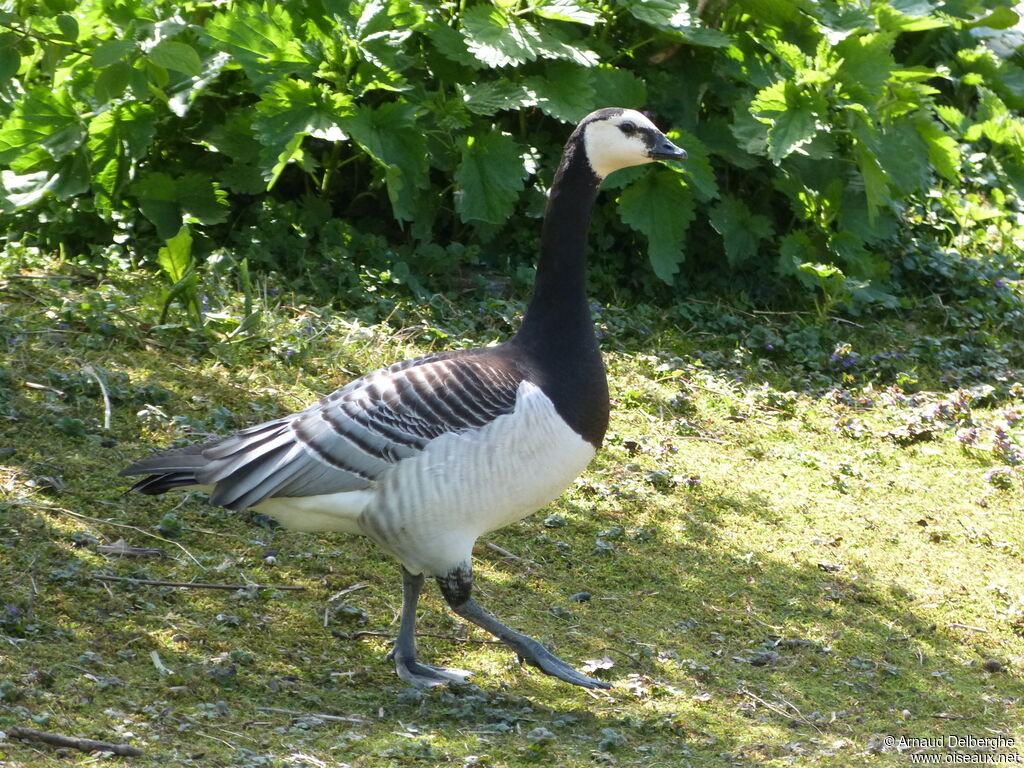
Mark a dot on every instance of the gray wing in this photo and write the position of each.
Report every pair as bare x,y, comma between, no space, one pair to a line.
344,442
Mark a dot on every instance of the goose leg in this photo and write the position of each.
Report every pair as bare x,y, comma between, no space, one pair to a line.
404,651
456,588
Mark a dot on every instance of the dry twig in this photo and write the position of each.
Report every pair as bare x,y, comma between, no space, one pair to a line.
73,742
370,633
106,394
80,516
346,591
193,584
122,547
318,715
507,555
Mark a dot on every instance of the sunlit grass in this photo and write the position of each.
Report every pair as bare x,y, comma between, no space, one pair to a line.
775,579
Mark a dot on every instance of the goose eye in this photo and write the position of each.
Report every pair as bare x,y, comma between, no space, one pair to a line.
628,128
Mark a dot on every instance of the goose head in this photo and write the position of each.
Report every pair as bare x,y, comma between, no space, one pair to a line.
618,138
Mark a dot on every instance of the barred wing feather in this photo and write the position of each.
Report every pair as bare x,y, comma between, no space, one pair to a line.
347,440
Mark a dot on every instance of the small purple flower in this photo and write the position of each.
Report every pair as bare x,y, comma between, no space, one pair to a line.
967,436
1000,477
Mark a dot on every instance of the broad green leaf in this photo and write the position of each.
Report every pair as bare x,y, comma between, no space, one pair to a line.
659,207
870,225
996,122
112,82
68,178
41,118
167,201
915,74
792,114
555,44
909,16
490,97
451,44
821,272
664,14
497,39
876,183
791,53
19,191
292,109
867,62
903,155
564,92
706,37
10,63
697,170
982,60
500,40
826,277
68,26
377,36
180,57
869,292
489,178
849,248
158,200
112,51
183,93
201,198
234,137
107,161
1000,18
741,230
263,40
289,153
750,138
579,11
795,248
295,106
176,257
943,149
952,117
392,136
619,87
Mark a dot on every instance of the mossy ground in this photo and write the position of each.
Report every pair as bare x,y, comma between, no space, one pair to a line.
774,578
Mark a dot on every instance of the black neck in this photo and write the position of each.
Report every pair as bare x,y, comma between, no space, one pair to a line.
557,339
559,308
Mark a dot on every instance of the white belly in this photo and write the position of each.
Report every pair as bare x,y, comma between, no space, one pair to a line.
327,512
430,509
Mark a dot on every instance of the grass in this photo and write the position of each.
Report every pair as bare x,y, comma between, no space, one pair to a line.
774,578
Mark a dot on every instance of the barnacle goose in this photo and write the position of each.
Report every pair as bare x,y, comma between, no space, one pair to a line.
427,455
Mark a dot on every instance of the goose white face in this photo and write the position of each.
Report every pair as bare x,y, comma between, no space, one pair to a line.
615,139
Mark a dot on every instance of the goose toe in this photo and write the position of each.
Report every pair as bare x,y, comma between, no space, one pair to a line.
426,676
536,655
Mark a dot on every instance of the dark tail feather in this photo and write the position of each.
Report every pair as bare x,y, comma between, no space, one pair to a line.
154,485
171,469
187,459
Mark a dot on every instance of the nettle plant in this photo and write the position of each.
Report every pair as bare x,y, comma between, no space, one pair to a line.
811,126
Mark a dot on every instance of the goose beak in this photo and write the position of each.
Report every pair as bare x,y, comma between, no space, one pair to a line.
666,150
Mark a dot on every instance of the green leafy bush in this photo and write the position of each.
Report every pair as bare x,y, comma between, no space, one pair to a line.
299,134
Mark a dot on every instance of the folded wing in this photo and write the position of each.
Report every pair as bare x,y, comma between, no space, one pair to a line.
348,439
